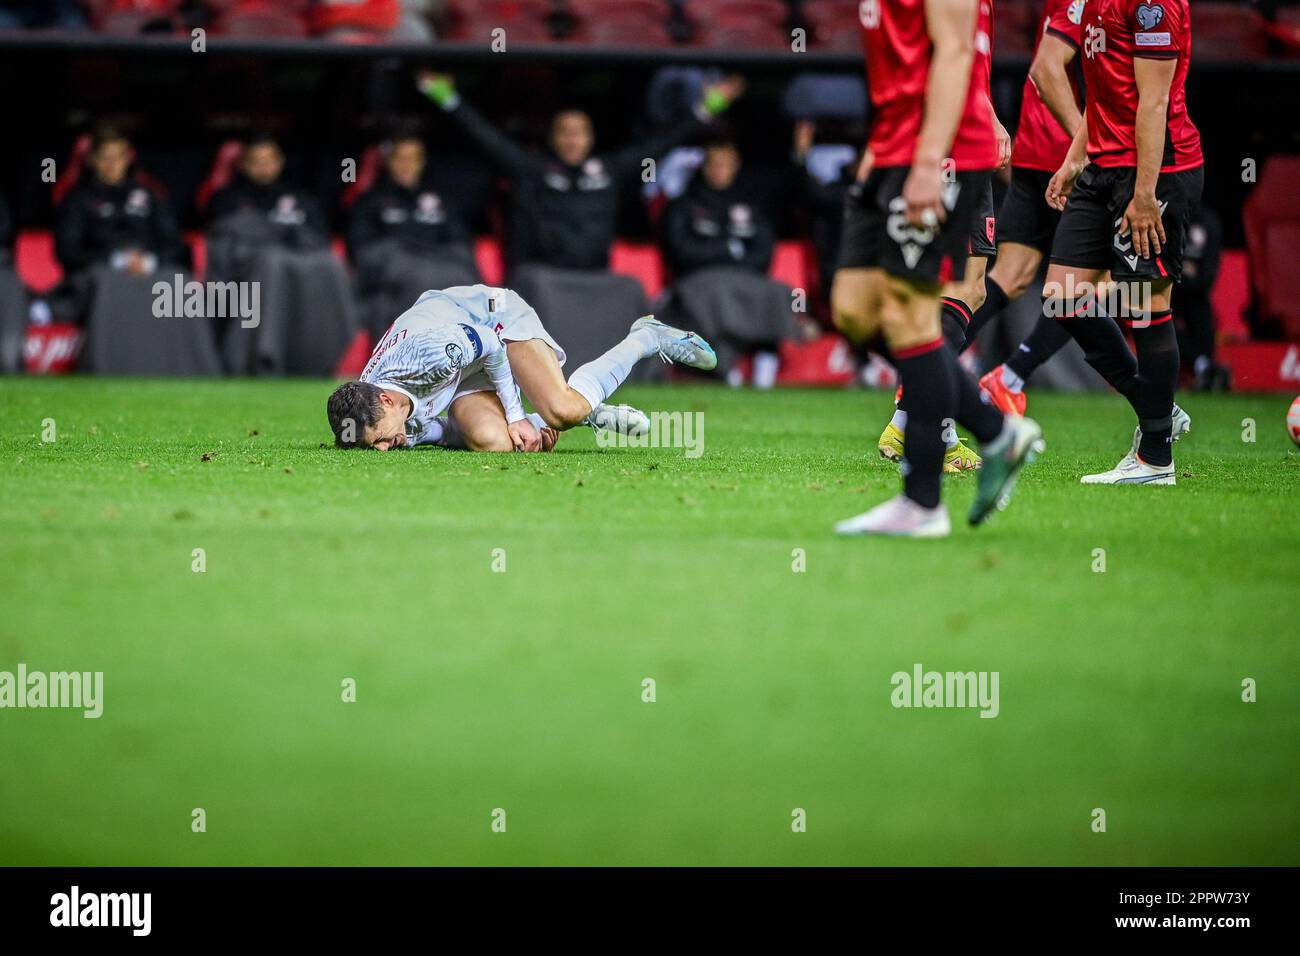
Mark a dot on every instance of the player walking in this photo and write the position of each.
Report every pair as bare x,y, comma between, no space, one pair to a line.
901,222
1050,115
1132,177
467,351
960,298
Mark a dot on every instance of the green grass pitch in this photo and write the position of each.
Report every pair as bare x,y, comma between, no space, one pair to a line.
522,690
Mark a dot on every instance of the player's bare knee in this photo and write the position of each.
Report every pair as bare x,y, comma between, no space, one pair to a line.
490,439
565,410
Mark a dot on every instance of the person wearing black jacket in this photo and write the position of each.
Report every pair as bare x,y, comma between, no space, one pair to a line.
719,244
405,236
112,217
566,198
273,235
119,243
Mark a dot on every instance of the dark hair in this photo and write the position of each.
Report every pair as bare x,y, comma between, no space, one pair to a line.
107,133
356,403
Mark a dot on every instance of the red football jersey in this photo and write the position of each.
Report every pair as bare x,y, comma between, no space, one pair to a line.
1041,143
898,49
1115,32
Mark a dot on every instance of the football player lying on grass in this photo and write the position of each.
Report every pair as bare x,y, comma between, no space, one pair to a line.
467,351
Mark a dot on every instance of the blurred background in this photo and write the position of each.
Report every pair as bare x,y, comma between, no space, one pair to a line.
284,144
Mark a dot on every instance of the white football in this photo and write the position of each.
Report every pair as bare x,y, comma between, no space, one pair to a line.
1293,421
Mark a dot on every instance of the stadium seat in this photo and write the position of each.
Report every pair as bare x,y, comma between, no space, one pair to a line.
368,167
260,20
370,19
1229,31
132,17
482,29
752,36
1271,216
622,33
739,13
644,10
219,176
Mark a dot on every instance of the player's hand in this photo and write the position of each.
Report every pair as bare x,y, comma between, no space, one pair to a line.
732,87
524,436
864,165
923,193
1058,190
439,87
1142,221
1004,143
549,438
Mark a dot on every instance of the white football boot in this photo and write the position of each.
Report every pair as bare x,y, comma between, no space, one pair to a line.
623,419
1182,424
1132,470
676,345
899,517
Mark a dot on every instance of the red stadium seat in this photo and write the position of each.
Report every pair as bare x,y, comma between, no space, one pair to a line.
505,12
754,36
483,30
219,176
833,25
130,17
739,13
1271,216
368,17
1228,31
372,160
623,33
260,19
648,10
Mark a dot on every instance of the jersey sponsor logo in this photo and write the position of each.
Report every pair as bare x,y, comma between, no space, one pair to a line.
1151,39
1075,11
1149,15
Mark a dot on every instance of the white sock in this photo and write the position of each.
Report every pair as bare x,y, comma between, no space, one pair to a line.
899,420
765,368
1011,380
599,378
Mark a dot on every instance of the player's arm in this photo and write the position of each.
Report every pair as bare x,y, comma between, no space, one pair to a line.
951,25
1076,158
440,88
1142,217
1000,134
716,100
497,365
1050,74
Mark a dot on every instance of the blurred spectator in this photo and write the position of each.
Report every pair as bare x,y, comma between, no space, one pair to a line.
566,199
564,212
719,245
271,233
367,21
1193,311
41,15
115,235
825,172
405,237
13,298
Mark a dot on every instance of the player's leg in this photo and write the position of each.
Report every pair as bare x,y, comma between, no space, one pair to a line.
476,421
954,313
479,423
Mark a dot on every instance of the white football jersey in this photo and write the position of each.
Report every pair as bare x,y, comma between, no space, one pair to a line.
432,348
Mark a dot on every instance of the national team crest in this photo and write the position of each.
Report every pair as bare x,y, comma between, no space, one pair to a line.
990,228
1149,15
456,354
